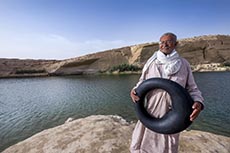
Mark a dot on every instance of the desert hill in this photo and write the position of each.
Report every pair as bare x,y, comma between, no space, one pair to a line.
209,53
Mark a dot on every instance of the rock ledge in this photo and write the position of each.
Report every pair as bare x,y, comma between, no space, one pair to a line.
108,134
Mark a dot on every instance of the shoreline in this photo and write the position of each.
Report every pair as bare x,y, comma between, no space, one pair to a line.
214,67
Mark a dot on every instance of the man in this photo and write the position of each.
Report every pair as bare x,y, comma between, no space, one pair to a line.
165,63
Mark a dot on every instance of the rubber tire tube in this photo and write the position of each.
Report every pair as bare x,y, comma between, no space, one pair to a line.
177,118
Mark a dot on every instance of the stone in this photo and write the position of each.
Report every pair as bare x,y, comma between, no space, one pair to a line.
108,134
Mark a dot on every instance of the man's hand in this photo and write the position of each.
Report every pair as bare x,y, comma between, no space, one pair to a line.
197,107
133,95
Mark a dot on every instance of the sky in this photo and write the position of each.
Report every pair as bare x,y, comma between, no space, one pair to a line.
62,29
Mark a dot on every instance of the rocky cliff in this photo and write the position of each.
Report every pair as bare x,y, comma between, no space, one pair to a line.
201,52
108,134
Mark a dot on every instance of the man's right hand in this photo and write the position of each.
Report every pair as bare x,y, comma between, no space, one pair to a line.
133,95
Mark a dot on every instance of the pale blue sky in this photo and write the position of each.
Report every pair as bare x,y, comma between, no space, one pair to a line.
60,29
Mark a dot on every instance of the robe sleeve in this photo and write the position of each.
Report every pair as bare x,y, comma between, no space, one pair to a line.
141,79
192,88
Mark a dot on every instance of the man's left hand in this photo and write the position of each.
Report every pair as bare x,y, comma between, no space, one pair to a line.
197,106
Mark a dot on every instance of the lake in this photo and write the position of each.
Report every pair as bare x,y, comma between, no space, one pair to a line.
30,105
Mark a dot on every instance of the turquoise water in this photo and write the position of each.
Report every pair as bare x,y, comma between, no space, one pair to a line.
30,105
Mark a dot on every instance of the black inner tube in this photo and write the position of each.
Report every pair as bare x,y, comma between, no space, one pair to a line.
177,118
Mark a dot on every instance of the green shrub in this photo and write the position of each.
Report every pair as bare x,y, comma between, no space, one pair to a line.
124,67
227,64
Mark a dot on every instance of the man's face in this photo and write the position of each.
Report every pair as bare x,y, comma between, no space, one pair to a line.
167,44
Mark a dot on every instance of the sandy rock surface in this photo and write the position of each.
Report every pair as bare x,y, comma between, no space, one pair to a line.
108,134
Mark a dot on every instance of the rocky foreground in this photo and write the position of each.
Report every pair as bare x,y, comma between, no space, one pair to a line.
108,134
